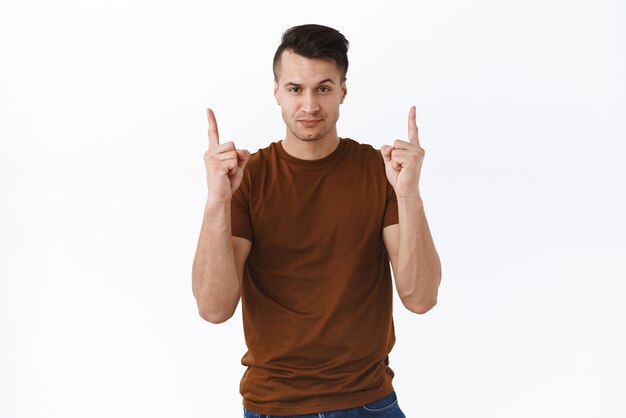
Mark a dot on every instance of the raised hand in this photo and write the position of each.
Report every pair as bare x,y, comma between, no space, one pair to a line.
403,162
224,164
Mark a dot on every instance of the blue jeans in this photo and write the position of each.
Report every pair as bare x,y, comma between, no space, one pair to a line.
386,407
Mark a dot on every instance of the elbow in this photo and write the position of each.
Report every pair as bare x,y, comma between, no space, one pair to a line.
214,309
214,317
422,307
215,313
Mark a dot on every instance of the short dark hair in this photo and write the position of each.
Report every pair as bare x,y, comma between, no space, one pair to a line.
314,41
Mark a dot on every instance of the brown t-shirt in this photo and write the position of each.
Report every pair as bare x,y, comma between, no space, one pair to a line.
317,291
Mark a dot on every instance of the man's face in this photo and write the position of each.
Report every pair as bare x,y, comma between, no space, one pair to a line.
309,92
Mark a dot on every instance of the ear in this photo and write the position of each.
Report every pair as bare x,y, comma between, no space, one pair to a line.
276,91
344,90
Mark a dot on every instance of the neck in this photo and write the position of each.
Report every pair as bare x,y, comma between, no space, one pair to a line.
310,150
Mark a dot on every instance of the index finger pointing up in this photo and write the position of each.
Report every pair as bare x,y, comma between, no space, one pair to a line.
413,138
214,136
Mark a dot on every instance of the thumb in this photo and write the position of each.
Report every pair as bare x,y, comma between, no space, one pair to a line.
243,156
385,152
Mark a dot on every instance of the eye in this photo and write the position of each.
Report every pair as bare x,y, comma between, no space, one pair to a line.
324,89
294,89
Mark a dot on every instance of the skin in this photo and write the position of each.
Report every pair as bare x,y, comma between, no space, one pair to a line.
224,164
409,243
307,89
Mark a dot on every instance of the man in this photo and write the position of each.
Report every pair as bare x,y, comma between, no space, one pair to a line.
303,231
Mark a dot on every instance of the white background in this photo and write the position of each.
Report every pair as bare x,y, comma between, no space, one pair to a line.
520,107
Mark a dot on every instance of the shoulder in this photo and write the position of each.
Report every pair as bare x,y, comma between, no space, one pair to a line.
365,151
361,146
261,158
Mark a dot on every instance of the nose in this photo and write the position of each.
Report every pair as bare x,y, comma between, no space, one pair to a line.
309,103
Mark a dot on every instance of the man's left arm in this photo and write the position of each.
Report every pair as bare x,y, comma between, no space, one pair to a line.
414,259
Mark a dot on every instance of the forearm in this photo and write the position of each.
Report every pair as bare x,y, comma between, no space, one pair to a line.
214,276
418,265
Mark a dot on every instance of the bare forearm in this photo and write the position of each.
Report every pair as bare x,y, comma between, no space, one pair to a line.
419,267
214,276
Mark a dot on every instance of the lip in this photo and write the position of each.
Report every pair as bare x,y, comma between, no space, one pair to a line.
309,122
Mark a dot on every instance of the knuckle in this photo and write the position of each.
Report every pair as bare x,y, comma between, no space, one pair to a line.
229,154
226,146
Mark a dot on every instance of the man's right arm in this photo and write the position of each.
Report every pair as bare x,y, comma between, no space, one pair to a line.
218,265
217,270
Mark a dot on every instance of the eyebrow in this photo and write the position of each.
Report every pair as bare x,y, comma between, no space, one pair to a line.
328,80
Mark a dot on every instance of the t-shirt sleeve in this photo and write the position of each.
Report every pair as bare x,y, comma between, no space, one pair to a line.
391,208
241,221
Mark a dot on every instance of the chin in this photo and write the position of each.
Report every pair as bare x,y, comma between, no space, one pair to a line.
309,137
